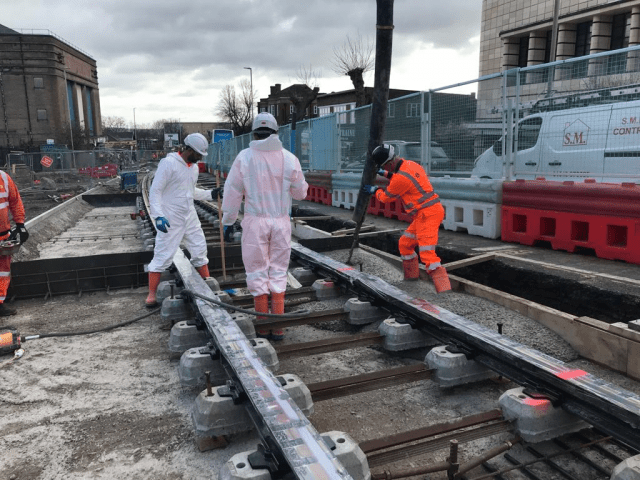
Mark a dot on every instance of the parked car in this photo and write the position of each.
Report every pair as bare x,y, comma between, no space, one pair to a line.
413,151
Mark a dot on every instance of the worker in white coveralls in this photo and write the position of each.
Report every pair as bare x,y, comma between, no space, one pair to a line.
267,176
171,202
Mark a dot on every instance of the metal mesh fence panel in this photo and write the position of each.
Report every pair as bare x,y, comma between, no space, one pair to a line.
462,121
322,142
577,118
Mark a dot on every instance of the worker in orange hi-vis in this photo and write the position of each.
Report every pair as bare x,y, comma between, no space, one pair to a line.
10,201
409,183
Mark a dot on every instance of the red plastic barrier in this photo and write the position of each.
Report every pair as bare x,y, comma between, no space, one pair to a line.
611,237
588,198
202,167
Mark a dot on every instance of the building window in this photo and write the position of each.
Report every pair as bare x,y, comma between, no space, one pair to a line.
413,109
547,47
263,109
391,110
292,108
583,39
42,114
523,52
620,30
38,82
583,47
315,109
274,110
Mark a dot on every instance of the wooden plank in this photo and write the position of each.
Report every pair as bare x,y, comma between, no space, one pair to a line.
346,231
570,269
592,343
467,262
633,360
589,338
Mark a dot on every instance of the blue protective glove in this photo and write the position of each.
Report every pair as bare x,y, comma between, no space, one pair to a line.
369,189
227,232
162,224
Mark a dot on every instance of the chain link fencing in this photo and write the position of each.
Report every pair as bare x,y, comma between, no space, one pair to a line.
574,118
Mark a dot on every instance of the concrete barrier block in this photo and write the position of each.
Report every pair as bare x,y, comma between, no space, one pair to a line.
627,470
267,353
245,323
362,313
325,289
298,392
536,419
401,336
215,415
239,468
305,276
185,335
454,369
349,454
174,310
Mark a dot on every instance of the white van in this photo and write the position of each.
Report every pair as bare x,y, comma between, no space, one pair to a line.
598,141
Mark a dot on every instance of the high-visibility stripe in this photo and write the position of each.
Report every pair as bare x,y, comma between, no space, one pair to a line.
5,274
392,195
409,257
409,235
433,266
4,205
2,299
424,248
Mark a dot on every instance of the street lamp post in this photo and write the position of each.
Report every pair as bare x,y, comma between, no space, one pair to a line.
135,137
251,80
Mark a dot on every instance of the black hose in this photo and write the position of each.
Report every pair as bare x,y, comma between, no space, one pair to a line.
88,332
296,314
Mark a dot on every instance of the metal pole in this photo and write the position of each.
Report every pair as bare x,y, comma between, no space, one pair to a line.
251,80
554,46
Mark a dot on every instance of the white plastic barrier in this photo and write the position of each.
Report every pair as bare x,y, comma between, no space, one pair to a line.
476,218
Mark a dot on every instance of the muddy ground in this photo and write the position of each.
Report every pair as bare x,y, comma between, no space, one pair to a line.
110,405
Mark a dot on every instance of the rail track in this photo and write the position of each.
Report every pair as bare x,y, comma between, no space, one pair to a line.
592,453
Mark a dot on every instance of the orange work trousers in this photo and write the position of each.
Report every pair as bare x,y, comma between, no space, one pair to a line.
423,233
5,273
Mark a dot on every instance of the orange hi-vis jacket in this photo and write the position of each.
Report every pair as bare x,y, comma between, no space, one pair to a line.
10,201
410,184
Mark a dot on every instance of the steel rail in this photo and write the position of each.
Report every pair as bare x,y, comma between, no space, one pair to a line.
289,440
347,386
612,409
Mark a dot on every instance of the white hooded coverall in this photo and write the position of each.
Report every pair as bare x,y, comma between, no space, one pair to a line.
267,176
172,193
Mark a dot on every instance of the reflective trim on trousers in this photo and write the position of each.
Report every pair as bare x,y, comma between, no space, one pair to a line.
409,235
424,248
5,274
2,299
4,205
433,266
409,257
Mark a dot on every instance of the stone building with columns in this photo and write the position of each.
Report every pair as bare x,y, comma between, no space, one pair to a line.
519,33
46,85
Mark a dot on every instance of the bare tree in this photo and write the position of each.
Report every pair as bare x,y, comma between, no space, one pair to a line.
308,76
114,124
236,108
354,58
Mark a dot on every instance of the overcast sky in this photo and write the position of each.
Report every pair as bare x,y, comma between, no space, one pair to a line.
170,59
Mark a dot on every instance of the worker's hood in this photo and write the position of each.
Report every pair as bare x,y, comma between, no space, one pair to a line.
270,144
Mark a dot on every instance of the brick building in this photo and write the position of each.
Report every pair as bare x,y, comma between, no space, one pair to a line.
46,84
518,33
279,103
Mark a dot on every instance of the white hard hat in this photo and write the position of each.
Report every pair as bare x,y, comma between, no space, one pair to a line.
265,120
197,142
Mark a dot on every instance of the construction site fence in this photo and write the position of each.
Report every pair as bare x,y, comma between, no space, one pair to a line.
77,166
480,127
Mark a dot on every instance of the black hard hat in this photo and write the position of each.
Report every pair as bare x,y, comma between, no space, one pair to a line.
383,154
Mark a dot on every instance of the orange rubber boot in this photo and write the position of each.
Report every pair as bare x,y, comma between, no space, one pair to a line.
411,269
154,280
440,279
277,306
261,305
203,271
